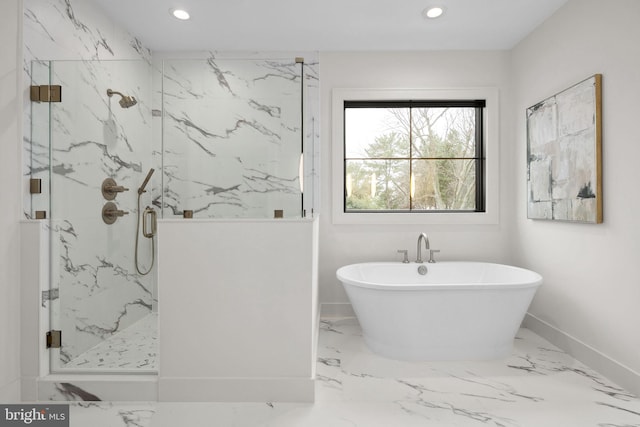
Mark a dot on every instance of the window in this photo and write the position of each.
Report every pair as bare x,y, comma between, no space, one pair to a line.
415,156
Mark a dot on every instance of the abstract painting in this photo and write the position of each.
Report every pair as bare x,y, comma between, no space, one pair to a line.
564,154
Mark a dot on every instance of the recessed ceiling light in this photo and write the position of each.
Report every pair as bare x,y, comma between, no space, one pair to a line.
433,12
180,14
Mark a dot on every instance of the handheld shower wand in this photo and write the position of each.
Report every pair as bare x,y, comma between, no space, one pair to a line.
146,180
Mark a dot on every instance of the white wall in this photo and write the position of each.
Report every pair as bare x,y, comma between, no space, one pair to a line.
591,288
10,201
345,244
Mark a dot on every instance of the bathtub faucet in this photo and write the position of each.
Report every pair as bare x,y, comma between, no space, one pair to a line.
421,237
424,237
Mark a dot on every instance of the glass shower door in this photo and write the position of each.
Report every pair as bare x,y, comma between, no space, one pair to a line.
104,308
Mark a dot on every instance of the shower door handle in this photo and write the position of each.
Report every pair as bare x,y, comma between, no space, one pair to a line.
149,222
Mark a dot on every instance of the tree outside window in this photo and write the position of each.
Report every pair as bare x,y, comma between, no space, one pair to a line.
410,156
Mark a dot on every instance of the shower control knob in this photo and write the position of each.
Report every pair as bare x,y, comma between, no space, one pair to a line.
110,213
110,189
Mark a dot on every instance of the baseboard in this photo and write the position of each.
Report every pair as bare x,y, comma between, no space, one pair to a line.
125,388
316,337
332,310
620,374
110,388
10,393
236,390
29,389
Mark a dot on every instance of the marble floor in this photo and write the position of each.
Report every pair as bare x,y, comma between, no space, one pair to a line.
134,349
539,385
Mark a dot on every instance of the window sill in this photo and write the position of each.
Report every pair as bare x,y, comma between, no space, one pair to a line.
457,218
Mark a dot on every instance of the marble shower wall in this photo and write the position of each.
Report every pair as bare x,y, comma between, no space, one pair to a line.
93,138
62,30
73,146
233,136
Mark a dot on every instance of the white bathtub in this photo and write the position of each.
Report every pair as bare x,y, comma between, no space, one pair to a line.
456,311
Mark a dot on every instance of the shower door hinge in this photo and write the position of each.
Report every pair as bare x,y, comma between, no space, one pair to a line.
54,339
46,93
35,186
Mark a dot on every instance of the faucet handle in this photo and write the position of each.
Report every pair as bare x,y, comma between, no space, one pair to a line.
110,189
406,255
431,252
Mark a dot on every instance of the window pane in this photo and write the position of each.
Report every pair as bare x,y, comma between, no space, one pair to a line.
444,184
444,132
377,185
376,132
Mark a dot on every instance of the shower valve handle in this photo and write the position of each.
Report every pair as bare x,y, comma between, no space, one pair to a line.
116,189
110,189
110,213
116,212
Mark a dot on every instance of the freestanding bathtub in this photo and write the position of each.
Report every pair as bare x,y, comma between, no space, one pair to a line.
456,311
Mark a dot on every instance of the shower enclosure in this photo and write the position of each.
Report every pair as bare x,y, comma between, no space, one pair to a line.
226,139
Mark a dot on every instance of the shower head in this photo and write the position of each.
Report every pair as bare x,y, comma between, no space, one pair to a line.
125,101
146,180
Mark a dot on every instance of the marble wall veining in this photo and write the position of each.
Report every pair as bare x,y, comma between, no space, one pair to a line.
232,137
73,146
63,30
93,138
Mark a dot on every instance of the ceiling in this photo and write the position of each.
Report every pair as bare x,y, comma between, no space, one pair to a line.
329,25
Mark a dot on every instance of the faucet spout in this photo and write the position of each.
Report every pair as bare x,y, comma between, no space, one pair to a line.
421,237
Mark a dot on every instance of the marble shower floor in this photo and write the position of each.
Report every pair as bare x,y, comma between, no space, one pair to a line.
539,385
135,348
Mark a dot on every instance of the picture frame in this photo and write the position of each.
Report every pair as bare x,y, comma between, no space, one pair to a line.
564,154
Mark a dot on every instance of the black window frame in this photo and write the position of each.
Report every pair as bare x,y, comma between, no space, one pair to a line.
479,158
